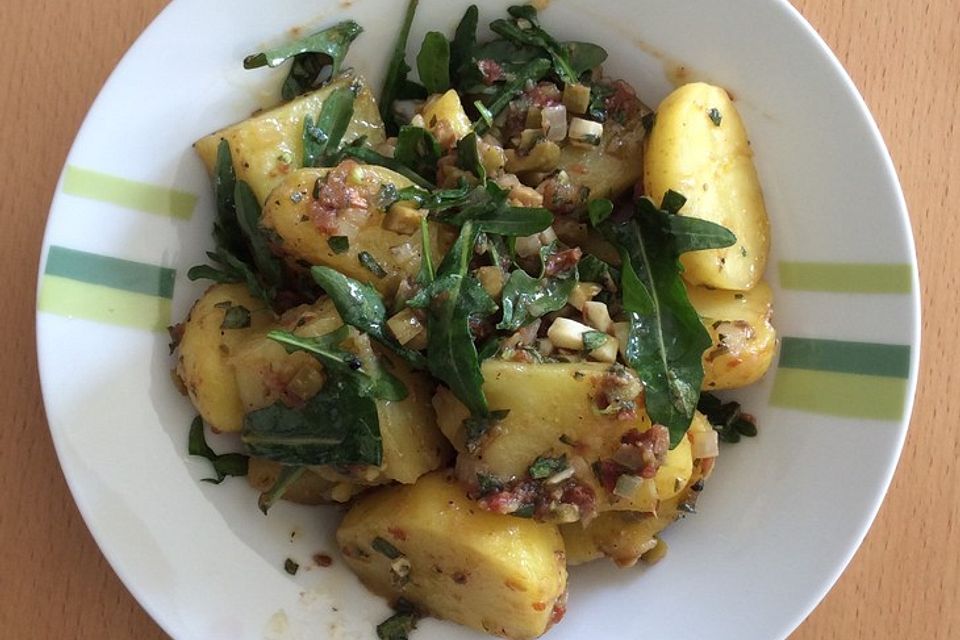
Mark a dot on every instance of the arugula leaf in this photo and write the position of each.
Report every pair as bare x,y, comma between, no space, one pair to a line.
418,150
672,201
593,269
599,210
231,270
248,216
487,207
524,29
343,365
468,156
584,56
530,72
321,140
358,151
425,276
312,57
436,199
464,40
396,78
226,232
526,298
453,300
287,476
666,339
361,306
227,464
333,41
544,467
598,101
433,62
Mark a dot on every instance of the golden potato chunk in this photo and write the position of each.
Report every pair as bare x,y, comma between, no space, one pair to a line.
585,412
698,147
312,210
269,145
744,340
206,348
310,488
266,373
428,543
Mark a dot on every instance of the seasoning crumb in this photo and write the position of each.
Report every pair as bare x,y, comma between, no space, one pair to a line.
322,560
290,566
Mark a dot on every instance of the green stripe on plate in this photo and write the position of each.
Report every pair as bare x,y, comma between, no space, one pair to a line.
892,360
841,277
840,394
76,299
115,273
130,194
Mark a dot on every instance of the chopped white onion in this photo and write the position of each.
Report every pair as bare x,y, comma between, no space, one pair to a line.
585,131
627,486
567,334
554,122
528,245
704,444
597,316
560,476
607,352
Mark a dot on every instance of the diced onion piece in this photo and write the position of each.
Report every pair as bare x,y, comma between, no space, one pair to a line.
597,316
704,444
418,121
560,476
403,218
566,513
554,122
585,131
405,326
638,491
627,485
528,245
544,346
582,292
576,97
405,253
567,334
547,236
607,352
306,382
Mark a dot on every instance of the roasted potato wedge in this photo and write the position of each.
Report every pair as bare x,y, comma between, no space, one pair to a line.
699,148
269,145
430,544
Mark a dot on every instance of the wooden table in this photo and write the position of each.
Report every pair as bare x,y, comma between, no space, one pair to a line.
904,57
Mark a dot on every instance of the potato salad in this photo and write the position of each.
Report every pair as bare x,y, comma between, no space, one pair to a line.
482,307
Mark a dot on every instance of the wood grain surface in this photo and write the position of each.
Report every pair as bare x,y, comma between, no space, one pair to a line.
904,57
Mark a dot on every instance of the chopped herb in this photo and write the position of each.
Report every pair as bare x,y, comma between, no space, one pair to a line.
476,426
433,62
288,475
715,116
290,566
339,244
396,79
525,298
597,109
544,467
599,210
488,484
248,217
361,306
425,276
226,464
484,113
398,626
235,317
370,263
726,418
524,511
385,548
593,340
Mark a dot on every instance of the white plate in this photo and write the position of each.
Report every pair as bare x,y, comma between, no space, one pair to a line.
784,512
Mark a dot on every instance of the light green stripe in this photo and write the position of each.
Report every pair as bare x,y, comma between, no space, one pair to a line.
840,394
839,277
130,194
75,299
115,273
867,358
